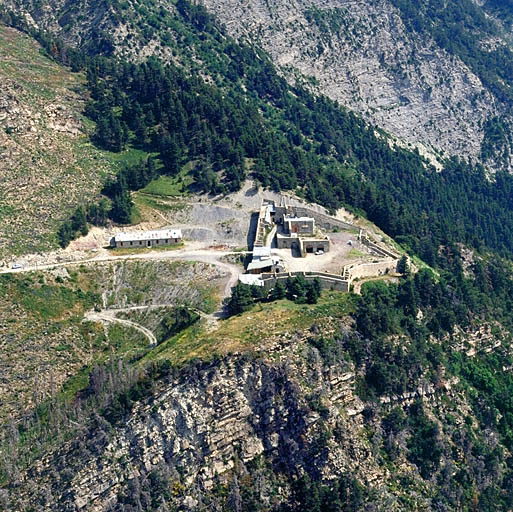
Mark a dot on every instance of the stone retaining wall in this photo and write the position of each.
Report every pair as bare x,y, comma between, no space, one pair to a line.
380,251
328,281
371,269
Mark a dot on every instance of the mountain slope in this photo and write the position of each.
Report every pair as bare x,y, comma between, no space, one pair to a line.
47,163
399,398
361,54
391,61
349,404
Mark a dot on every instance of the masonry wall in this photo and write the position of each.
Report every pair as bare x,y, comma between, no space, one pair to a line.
323,221
381,251
300,226
152,243
315,245
285,242
328,281
373,269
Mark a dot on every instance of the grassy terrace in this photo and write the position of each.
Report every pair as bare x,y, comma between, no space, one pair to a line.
243,333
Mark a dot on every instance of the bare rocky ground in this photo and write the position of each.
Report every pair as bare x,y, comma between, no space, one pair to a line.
361,54
344,249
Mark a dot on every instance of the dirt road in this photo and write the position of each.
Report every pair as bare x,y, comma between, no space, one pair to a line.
210,256
110,317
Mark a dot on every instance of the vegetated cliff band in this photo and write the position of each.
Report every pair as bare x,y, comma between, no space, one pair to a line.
237,419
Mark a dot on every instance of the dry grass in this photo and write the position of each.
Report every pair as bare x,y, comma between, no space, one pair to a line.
256,330
44,345
48,165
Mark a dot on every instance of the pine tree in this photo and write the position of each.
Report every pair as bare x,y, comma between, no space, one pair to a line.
403,267
279,291
241,299
65,234
79,221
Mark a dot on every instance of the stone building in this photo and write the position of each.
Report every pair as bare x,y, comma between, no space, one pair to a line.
299,225
159,238
264,261
301,234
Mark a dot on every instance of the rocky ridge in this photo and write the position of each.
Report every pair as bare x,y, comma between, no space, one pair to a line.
358,53
211,421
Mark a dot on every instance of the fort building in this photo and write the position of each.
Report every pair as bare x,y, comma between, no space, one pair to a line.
264,261
300,233
299,225
159,238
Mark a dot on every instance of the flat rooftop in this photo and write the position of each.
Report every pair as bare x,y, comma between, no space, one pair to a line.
161,234
261,252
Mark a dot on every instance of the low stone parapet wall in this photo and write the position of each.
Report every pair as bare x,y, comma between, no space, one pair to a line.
371,269
328,281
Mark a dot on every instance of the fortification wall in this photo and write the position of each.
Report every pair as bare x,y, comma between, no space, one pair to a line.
373,269
261,228
328,281
381,251
312,245
323,221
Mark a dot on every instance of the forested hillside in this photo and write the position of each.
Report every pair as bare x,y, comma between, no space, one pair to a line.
397,398
302,143
287,139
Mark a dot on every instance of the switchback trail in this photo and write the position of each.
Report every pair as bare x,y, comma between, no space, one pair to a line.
110,316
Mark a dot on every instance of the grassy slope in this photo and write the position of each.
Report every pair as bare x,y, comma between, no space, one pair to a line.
242,333
47,165
43,342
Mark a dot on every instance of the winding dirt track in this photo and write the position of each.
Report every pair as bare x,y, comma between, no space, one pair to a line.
110,316
209,256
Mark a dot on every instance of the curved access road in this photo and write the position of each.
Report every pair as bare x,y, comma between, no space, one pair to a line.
110,317
210,256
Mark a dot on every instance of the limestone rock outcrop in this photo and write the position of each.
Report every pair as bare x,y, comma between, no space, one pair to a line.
360,54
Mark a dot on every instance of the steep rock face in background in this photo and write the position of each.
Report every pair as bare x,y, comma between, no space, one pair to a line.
360,54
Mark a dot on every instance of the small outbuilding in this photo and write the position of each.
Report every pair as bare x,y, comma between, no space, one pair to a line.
159,238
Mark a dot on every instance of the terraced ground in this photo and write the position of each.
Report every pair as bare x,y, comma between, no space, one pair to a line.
47,163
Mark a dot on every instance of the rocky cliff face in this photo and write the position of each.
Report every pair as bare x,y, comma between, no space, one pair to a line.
361,54
241,418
